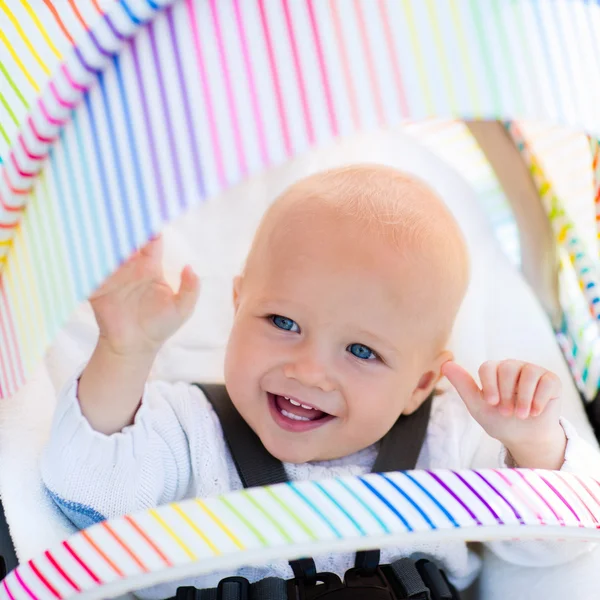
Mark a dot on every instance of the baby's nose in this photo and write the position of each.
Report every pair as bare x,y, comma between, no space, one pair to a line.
310,372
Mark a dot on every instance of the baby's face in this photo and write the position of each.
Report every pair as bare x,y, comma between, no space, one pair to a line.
325,351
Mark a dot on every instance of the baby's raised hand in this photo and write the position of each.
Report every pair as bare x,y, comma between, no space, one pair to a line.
136,309
518,404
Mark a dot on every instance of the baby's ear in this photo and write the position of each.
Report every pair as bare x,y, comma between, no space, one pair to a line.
237,289
427,382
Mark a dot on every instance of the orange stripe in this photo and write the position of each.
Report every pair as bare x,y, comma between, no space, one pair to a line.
78,14
125,547
57,18
99,550
149,540
95,3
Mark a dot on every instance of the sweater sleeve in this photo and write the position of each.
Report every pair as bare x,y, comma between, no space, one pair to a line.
581,458
92,476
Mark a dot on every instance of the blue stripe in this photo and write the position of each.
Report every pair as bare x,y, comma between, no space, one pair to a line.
81,515
112,224
386,502
407,497
124,199
73,259
91,196
336,503
364,505
137,171
133,17
432,498
315,509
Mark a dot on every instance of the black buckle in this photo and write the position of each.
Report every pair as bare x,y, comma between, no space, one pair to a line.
367,560
300,588
233,588
435,579
375,580
187,592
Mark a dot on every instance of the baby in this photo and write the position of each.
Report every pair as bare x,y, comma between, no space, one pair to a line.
342,316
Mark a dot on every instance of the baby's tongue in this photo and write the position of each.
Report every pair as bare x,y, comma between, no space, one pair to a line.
283,404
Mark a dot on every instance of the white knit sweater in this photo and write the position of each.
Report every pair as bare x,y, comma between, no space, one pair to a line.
175,450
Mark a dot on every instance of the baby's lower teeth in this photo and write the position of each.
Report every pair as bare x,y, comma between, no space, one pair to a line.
290,415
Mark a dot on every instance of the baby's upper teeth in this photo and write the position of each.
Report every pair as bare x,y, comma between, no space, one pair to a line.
308,407
292,401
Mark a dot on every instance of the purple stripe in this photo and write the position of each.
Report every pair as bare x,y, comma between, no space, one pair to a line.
160,189
481,498
187,111
494,489
24,585
469,511
562,498
84,63
167,115
112,27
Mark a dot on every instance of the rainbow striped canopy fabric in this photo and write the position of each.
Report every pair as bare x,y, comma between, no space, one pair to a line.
117,115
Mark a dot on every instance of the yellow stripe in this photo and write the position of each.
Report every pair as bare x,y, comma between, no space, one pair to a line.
16,58
25,39
220,524
39,25
199,532
179,541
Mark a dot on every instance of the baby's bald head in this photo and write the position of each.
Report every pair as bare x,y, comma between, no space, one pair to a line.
382,208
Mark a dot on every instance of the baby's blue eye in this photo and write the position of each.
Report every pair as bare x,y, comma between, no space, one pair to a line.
361,351
284,323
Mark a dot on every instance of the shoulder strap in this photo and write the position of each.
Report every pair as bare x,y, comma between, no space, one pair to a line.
255,466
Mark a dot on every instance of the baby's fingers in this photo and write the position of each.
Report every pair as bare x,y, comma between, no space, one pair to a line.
549,388
465,385
488,375
529,379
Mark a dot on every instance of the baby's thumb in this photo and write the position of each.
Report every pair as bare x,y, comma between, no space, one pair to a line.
187,296
465,385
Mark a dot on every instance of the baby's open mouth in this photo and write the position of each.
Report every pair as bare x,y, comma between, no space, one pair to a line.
294,415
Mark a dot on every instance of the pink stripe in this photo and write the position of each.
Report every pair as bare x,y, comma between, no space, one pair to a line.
9,332
41,138
20,171
262,141
350,91
537,493
239,146
49,118
522,496
84,566
7,590
275,77
578,496
30,155
64,103
322,67
212,124
12,188
587,489
9,208
370,64
74,84
299,76
389,39
61,571
561,498
43,579
24,585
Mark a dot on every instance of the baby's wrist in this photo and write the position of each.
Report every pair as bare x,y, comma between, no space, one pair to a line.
547,452
139,354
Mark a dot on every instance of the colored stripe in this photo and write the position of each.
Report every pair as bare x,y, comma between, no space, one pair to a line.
410,501
387,503
479,497
541,497
24,585
237,136
187,111
19,169
59,21
578,496
311,505
46,583
41,29
78,14
275,79
81,563
364,505
210,114
18,61
64,103
101,552
4,134
125,547
15,364
587,489
196,529
30,155
14,87
310,132
9,110
74,84
284,534
61,571
22,35
48,116
220,524
172,534
560,497
149,541
151,145
36,133
245,521
7,589
258,119
309,532
500,495
451,492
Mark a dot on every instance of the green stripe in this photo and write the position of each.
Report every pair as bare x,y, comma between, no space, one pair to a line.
4,135
12,84
292,514
9,110
282,531
243,519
